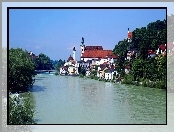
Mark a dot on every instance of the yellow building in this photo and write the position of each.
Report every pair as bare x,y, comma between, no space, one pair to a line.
71,70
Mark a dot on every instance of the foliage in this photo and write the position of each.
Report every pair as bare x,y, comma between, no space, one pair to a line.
128,79
121,48
20,111
144,38
59,64
43,62
137,69
56,73
142,67
81,75
94,77
94,72
82,70
21,70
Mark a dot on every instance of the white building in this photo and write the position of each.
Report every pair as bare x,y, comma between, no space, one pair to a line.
109,74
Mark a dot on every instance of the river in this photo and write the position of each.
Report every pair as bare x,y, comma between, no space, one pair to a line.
74,100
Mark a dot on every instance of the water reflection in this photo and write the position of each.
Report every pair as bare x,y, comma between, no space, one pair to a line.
37,88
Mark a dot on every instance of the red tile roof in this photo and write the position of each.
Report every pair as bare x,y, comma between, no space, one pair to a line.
93,48
70,58
127,67
151,52
162,47
98,54
105,63
130,35
74,62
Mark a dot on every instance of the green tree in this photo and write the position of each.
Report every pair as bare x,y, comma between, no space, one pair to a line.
43,62
21,70
137,69
59,64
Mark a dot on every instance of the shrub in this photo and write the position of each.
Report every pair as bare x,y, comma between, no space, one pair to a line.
92,76
145,83
128,79
56,73
160,84
20,111
81,75
21,70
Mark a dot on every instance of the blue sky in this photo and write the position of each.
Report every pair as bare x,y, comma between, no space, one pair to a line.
55,32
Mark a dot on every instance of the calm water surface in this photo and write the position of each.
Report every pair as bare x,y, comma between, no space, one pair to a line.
74,100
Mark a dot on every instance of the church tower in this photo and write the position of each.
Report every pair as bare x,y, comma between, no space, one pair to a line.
129,36
82,46
74,53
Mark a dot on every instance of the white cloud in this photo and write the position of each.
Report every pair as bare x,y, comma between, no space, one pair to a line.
37,47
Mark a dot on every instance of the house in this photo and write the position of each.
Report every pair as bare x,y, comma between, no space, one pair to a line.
88,73
151,53
87,65
161,49
131,53
64,70
71,66
71,70
109,74
32,56
101,70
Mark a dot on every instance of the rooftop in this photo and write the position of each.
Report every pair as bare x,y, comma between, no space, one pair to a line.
93,48
98,54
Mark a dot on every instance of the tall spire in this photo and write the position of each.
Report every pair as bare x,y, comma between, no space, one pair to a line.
74,53
82,46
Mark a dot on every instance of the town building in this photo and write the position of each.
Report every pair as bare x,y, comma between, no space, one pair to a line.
97,55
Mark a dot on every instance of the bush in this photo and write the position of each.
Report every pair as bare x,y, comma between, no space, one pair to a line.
21,70
145,83
56,73
160,84
92,76
81,75
128,79
20,111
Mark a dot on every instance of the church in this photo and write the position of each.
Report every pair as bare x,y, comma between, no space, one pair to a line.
97,54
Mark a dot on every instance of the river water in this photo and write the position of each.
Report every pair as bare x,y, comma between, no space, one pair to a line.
74,100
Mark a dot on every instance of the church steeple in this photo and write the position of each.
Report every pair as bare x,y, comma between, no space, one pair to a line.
82,46
129,36
74,53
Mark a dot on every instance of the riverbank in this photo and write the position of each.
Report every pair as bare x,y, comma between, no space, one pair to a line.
129,81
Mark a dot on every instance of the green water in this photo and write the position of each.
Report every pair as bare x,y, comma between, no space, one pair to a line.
74,100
